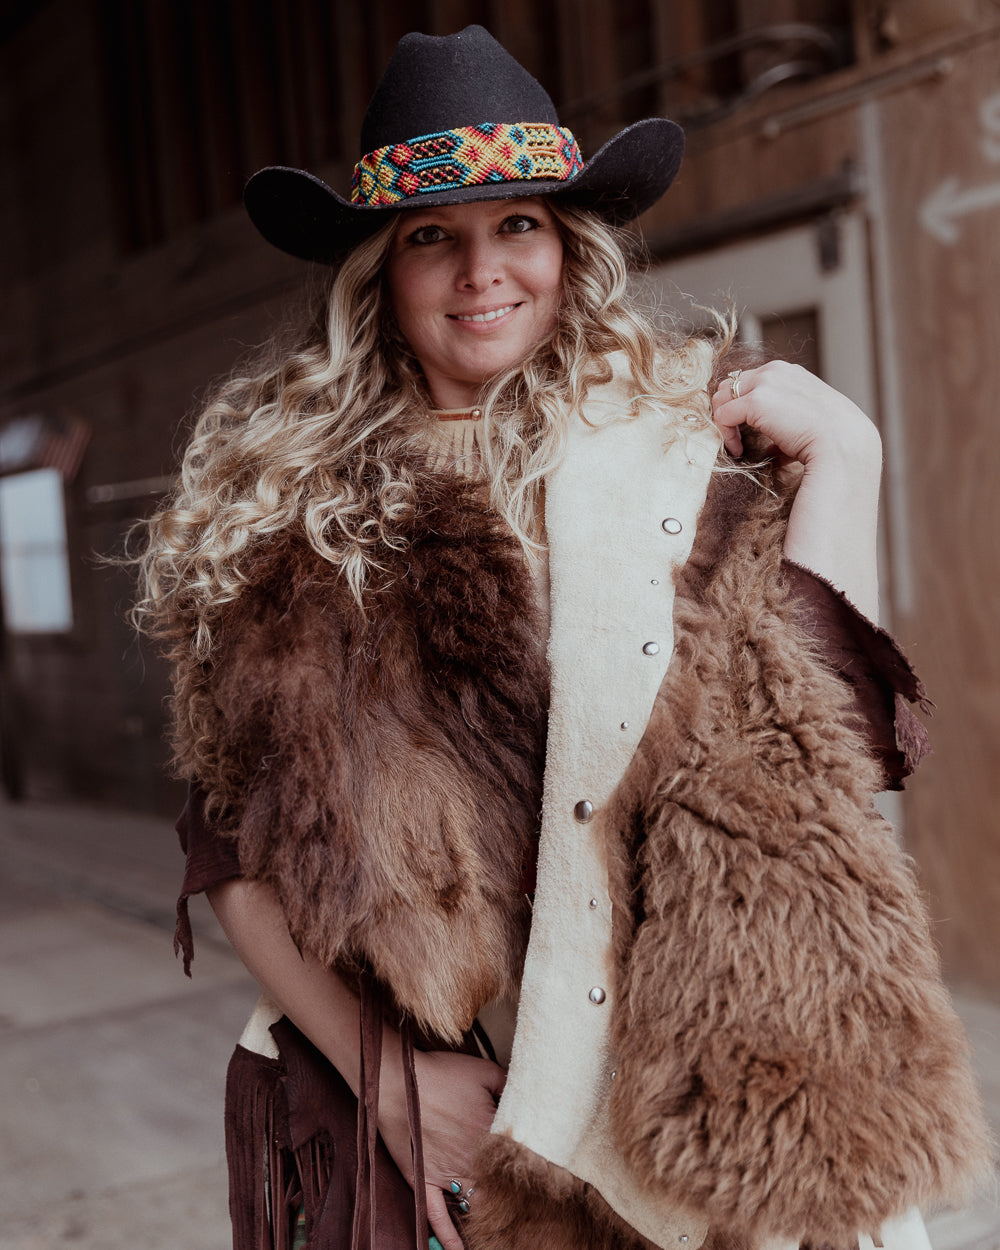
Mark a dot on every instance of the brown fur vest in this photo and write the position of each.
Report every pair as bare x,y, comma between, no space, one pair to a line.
787,1060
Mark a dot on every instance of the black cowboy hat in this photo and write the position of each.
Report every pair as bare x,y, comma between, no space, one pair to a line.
455,120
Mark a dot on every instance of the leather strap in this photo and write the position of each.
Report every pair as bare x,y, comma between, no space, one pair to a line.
416,1136
372,1021
368,1098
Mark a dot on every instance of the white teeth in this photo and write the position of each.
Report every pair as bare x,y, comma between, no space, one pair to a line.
490,316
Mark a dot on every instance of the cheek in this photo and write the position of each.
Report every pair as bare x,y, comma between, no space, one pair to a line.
406,295
549,273
550,283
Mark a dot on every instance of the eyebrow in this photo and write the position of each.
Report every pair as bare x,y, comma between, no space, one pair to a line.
445,212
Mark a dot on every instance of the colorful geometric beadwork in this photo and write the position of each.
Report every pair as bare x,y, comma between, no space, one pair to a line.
468,156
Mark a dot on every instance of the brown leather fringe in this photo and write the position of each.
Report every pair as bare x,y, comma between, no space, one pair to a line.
261,1163
365,1203
416,1132
270,1180
292,1133
183,936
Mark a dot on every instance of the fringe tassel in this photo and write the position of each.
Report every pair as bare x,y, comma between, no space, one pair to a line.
292,1128
183,937
416,1133
264,1193
371,1070
314,1165
454,444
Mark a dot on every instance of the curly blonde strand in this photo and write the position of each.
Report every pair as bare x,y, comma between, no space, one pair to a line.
323,436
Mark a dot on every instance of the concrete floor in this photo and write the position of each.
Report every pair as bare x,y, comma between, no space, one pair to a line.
112,1063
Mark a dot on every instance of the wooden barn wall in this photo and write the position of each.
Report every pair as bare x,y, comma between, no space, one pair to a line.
925,145
128,338
941,175
126,342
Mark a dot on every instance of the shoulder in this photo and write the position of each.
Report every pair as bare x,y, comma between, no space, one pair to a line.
285,583
290,588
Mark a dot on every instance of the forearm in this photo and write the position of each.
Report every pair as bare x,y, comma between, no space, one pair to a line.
458,1093
833,526
316,999
834,521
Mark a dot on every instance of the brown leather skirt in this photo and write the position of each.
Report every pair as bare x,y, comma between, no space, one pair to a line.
298,1140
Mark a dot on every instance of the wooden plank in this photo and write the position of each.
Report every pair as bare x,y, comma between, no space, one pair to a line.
678,31
322,87
948,319
721,174
531,34
257,106
219,133
173,91
353,77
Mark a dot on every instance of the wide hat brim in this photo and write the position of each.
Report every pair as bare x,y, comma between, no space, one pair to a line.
302,215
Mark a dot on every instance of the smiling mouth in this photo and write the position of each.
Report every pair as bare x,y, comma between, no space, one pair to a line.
487,316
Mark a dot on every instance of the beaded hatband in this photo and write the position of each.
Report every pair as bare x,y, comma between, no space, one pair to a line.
468,156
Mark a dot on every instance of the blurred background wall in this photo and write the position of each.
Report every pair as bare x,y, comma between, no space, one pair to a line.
842,181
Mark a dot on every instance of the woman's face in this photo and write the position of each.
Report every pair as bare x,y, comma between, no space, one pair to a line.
475,287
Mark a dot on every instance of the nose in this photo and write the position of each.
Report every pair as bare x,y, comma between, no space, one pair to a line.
480,265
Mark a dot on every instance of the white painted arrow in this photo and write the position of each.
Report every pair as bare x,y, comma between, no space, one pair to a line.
940,211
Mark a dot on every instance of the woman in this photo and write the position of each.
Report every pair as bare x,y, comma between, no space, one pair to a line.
508,698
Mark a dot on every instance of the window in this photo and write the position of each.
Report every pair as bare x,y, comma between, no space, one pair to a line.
34,567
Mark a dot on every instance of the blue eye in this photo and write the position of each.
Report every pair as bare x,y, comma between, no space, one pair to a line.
427,234
520,224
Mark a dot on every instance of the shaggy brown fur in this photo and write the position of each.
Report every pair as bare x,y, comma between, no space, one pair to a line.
788,1061
383,772
524,1203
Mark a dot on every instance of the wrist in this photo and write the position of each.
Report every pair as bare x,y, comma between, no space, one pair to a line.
392,1112
851,455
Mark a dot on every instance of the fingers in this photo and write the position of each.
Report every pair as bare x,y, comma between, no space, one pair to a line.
440,1220
801,417
494,1079
784,402
730,408
458,1095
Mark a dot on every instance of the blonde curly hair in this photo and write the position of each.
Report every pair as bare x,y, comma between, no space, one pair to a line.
322,436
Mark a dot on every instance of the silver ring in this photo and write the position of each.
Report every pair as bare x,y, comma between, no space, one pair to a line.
734,382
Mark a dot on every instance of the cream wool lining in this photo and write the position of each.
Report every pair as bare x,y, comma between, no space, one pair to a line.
611,561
